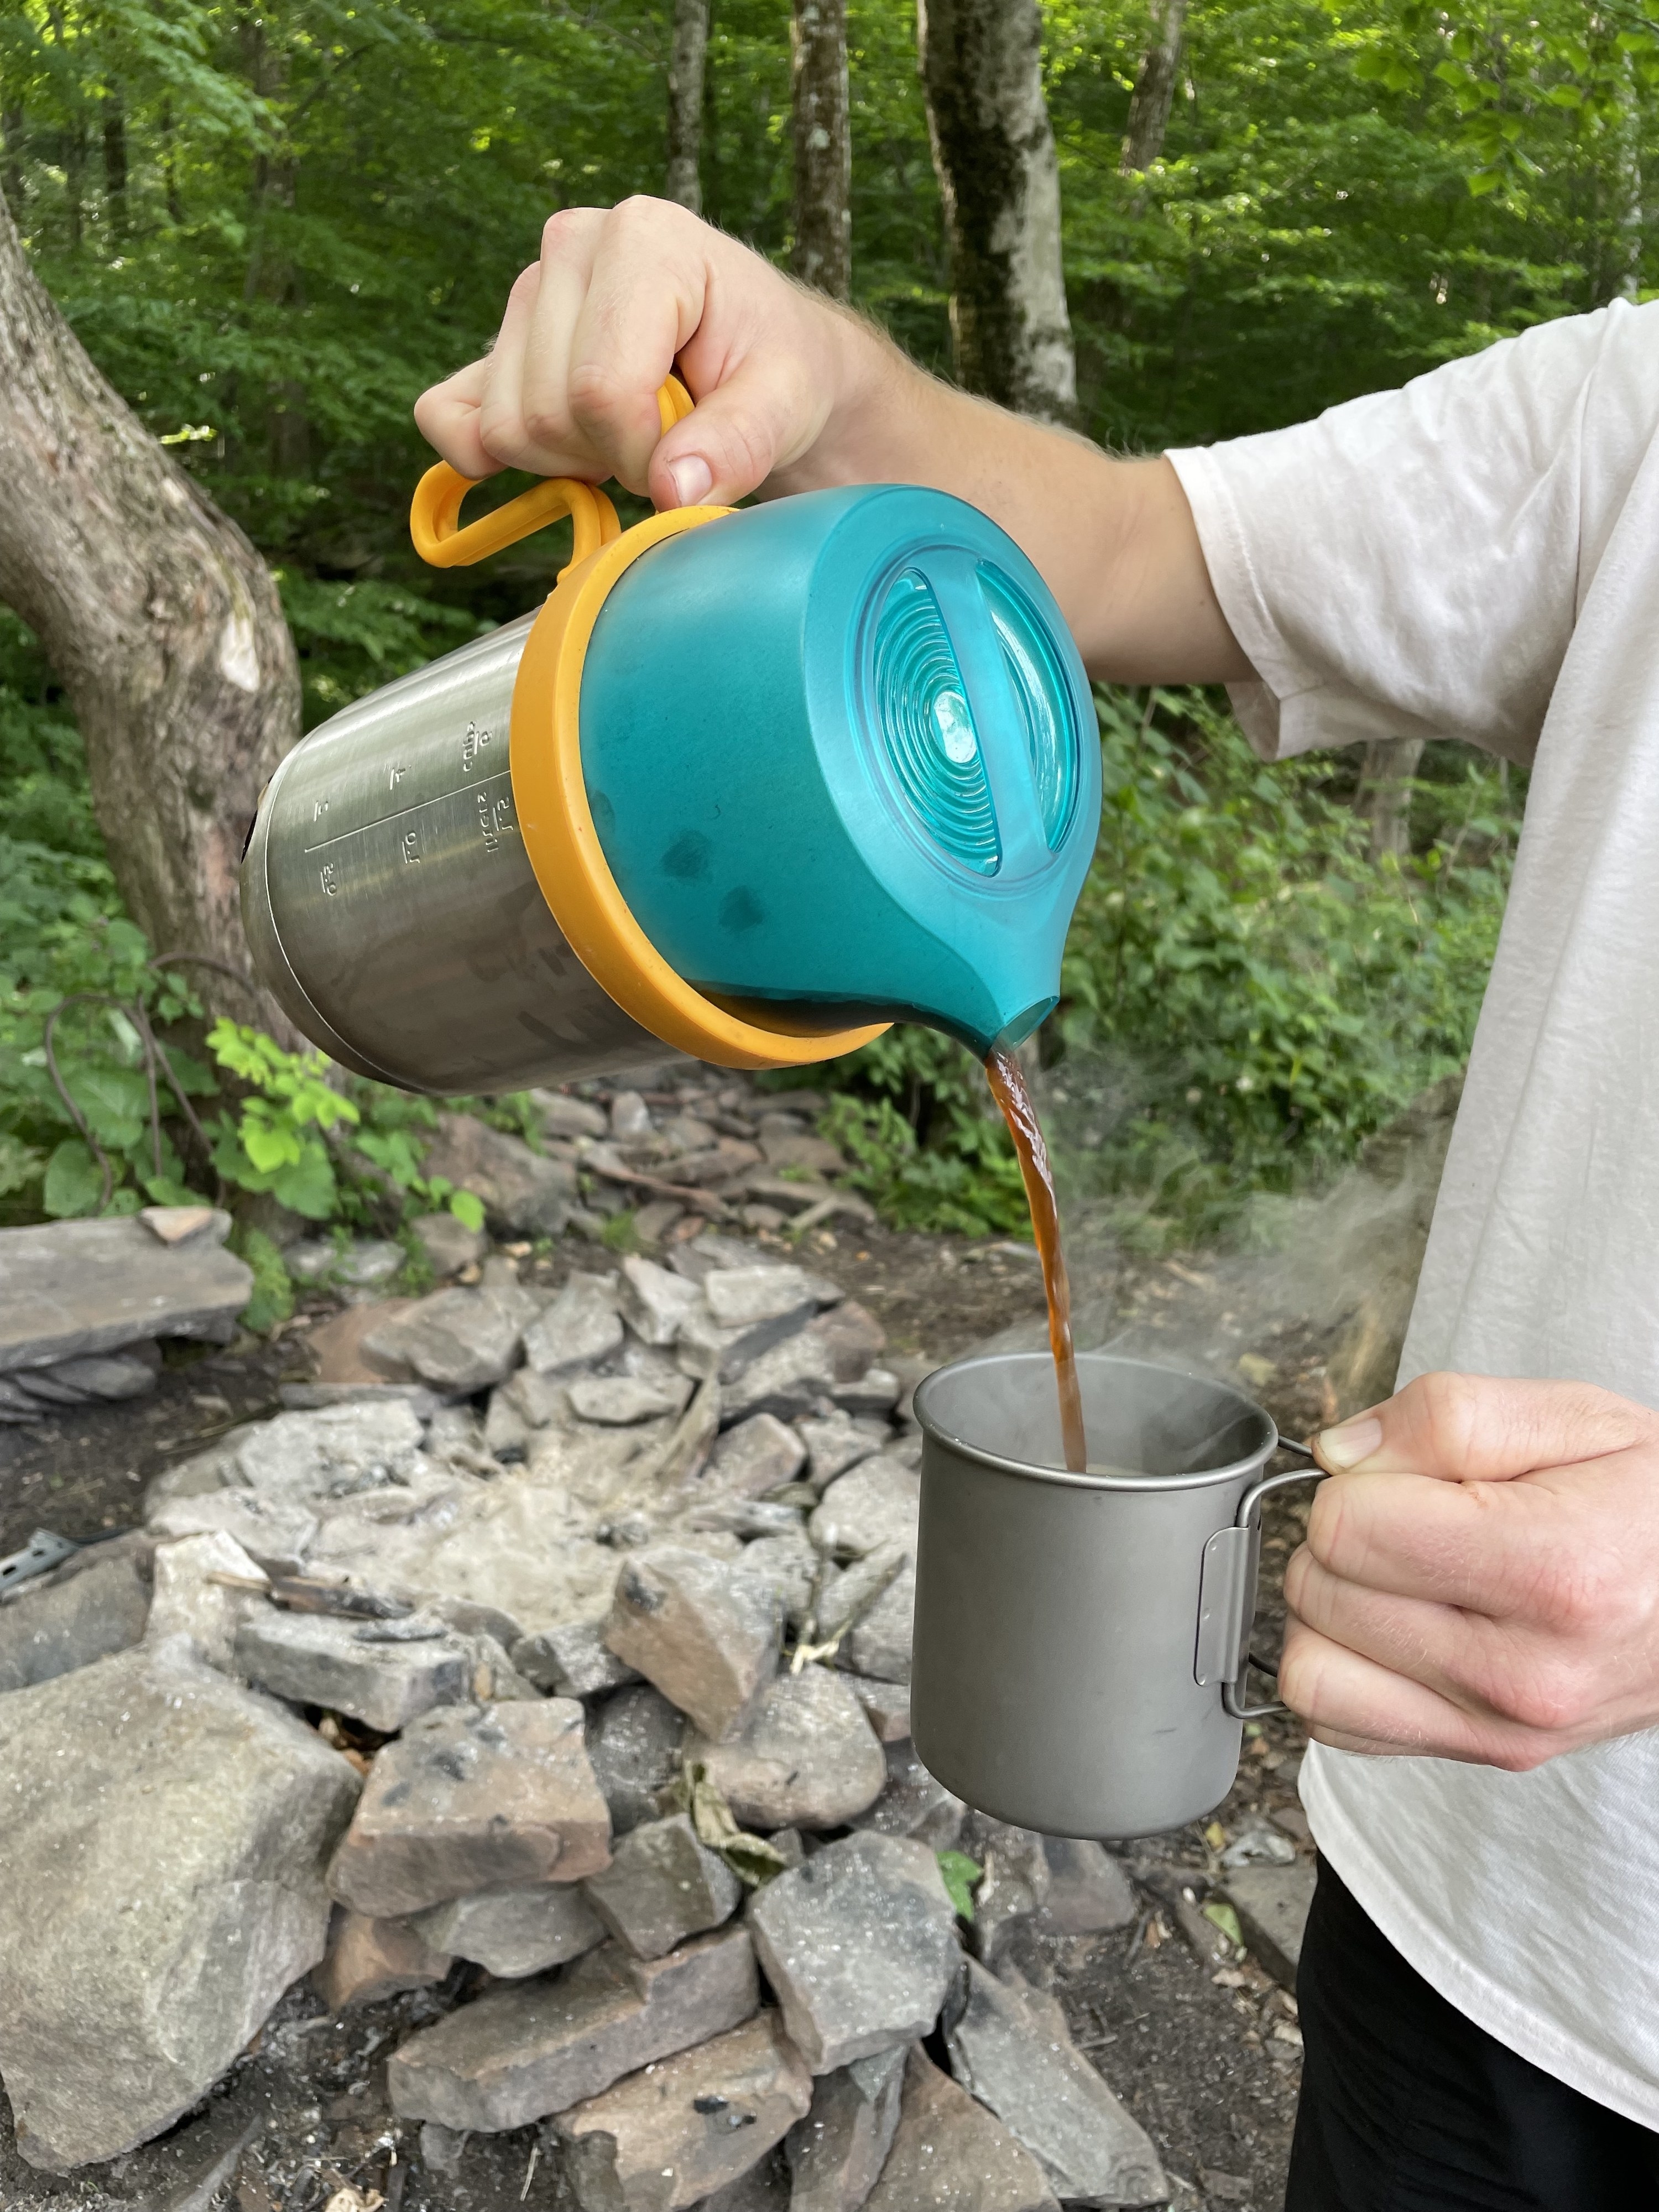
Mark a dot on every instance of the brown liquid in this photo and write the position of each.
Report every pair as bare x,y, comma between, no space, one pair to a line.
1008,1087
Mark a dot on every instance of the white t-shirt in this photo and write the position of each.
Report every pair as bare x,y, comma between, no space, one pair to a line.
1477,555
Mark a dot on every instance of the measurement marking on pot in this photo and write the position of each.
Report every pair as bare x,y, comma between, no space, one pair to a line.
464,791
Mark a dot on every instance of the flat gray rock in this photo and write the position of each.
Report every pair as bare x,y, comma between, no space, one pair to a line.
515,1932
618,1401
1271,1903
1014,1886
196,1594
792,1379
875,1504
879,1643
1089,1890
634,1742
314,1659
331,1450
456,1340
166,1837
703,1631
72,1288
838,1442
275,1531
448,1245
474,1797
655,1302
523,1191
573,1661
739,1296
788,1562
708,1346
89,1609
102,1377
913,1803
859,1944
758,1454
837,2152
949,2154
661,1886
1010,2047
662,2141
515,2054
886,1706
579,1327
806,1758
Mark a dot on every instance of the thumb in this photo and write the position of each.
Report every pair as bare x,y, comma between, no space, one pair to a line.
761,417
1478,1428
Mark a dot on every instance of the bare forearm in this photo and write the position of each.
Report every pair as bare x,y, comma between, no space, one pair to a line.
1113,540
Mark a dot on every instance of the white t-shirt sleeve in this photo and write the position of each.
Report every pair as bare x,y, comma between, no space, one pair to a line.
1412,563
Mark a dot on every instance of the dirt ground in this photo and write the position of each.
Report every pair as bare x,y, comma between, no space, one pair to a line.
1205,2055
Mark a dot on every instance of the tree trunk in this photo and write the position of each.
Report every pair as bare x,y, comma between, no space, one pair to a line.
161,621
981,73
11,164
823,253
685,75
1384,797
1149,107
115,167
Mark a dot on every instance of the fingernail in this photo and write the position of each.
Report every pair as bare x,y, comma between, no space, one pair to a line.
692,478
1352,1441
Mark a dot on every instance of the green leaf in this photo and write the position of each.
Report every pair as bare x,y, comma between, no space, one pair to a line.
467,1208
960,1874
308,1187
75,1183
21,1164
115,1101
1222,1916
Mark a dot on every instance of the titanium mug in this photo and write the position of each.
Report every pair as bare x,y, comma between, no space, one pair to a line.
1081,1640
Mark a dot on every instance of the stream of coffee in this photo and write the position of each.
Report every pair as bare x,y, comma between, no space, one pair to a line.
1012,1093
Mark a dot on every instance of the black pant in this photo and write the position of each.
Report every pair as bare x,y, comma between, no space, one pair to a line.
1407,2107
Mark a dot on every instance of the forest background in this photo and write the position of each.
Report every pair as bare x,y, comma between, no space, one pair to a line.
272,230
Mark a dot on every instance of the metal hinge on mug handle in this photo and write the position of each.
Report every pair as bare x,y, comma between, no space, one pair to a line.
1226,1594
435,512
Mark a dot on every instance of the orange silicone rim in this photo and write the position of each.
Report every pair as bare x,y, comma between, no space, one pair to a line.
557,823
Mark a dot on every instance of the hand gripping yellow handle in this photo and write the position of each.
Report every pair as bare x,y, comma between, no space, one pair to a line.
435,512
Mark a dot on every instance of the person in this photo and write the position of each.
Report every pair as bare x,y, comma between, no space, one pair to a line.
1474,1637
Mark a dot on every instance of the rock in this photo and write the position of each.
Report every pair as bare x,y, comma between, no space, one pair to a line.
859,1944
836,2153
459,1341
662,1885
764,2188
1010,2047
1015,1884
1089,1890
874,1396
853,1336
568,1117
792,1379
92,1606
470,1798
335,1346
1271,1903
314,1659
835,1444
758,1455
805,1759
521,1190
337,1448
847,1595
364,1262
273,1531
166,1833
368,1959
661,2140
913,1803
790,1565
739,1297
875,1504
879,1643
449,1245
103,1377
706,1347
443,2148
949,2154
184,1224
655,1302
517,2054
628,1116
886,1706
189,1602
1257,1845
574,1662
701,1630
619,1401
507,1434
634,1744
816,1154
582,1326
515,1932
71,1289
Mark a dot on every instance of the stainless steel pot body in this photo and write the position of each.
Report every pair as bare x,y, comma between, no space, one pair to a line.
390,903
1080,1640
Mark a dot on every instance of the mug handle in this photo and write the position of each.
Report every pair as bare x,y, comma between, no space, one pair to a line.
1226,1597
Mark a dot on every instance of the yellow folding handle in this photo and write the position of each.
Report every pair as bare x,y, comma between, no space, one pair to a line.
435,512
